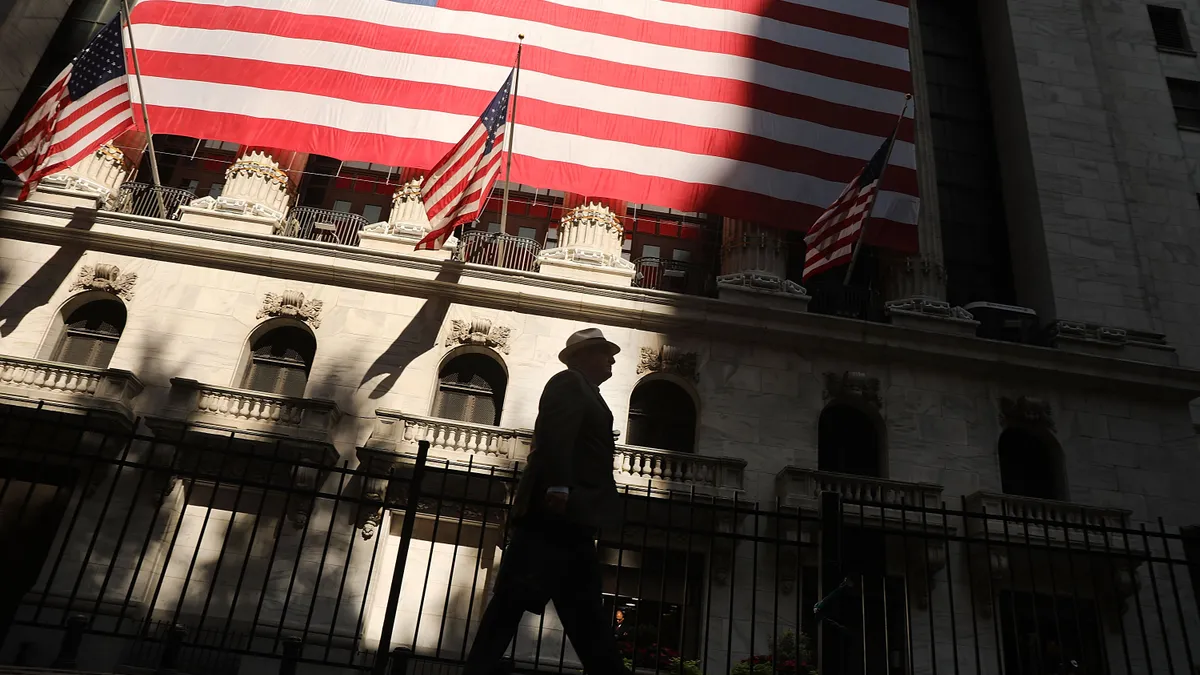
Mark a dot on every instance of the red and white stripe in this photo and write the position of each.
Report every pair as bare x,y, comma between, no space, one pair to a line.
757,109
458,187
59,132
831,239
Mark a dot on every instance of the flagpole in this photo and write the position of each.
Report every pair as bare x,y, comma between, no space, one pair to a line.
862,236
162,206
512,127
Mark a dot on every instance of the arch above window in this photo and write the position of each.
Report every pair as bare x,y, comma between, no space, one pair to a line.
848,441
1030,464
662,415
90,333
280,360
471,388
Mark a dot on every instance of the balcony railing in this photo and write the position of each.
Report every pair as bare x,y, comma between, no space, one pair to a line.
139,199
335,227
1015,518
498,250
672,275
866,497
307,418
845,301
71,386
664,470
398,433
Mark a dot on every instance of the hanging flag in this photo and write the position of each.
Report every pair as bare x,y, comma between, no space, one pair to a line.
459,186
754,109
86,106
831,239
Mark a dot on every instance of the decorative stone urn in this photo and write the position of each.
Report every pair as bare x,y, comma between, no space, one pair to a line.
754,267
255,198
589,247
93,182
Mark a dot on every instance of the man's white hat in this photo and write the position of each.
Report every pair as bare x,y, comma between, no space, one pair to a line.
588,337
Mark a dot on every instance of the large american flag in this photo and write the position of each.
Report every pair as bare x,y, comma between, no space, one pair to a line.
87,105
460,184
831,239
756,109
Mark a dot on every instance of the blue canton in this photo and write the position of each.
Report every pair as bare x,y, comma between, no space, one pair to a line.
103,60
496,115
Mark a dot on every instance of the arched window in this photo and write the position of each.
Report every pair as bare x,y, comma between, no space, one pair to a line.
91,333
662,415
848,442
280,360
1030,465
471,389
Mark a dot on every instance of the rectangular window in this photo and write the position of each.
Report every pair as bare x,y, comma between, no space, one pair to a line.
527,233
1185,97
215,189
192,186
493,227
373,213
649,251
1170,30
341,206
681,255
221,145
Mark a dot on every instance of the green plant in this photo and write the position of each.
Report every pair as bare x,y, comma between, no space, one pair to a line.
789,655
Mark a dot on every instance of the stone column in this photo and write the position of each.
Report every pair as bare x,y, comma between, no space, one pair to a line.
406,226
917,284
92,182
590,239
256,197
754,267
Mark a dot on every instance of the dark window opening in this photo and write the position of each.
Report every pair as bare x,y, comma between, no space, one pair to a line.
1185,97
280,361
659,594
1029,466
847,442
471,389
1044,635
1170,30
91,334
1191,552
662,415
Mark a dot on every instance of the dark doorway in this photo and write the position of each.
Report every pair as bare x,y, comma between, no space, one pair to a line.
848,442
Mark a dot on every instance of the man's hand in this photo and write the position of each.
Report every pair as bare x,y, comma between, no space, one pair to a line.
556,502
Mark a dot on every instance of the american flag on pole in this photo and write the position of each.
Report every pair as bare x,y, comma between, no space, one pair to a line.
460,184
86,106
831,239
754,109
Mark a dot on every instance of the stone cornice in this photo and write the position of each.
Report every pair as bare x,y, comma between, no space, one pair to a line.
536,294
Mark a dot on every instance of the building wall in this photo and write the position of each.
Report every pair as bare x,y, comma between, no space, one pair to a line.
24,35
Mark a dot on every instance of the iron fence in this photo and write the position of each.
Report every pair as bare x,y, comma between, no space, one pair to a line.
336,227
672,275
140,199
172,547
498,250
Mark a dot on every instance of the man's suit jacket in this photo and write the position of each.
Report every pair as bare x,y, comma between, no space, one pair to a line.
573,447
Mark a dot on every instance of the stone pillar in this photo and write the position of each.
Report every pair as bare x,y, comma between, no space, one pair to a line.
256,197
93,182
406,226
754,267
590,239
917,284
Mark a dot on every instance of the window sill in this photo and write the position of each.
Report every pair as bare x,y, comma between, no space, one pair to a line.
1175,51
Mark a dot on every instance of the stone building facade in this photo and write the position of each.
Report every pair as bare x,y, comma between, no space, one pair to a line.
242,314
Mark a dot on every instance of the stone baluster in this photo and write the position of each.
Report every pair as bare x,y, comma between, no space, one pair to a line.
754,267
590,240
916,285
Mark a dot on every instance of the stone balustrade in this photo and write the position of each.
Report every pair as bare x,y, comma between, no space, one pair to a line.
67,386
257,411
877,499
460,442
1013,518
667,470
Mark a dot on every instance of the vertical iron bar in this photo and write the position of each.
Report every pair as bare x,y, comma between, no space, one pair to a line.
1072,582
662,584
775,586
929,592
91,547
337,602
1137,605
831,578
68,649
406,532
732,585
381,534
1162,623
462,513
290,492
950,589
753,580
908,632
993,600
212,583
437,522
1187,645
709,569
966,549
1012,580
1029,546
137,492
487,503
312,606
1109,568
687,587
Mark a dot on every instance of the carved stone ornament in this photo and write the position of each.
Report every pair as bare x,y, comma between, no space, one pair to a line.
1026,411
668,359
105,277
852,385
292,304
928,307
591,235
480,332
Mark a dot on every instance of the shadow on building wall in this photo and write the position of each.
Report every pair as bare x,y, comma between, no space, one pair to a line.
39,288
